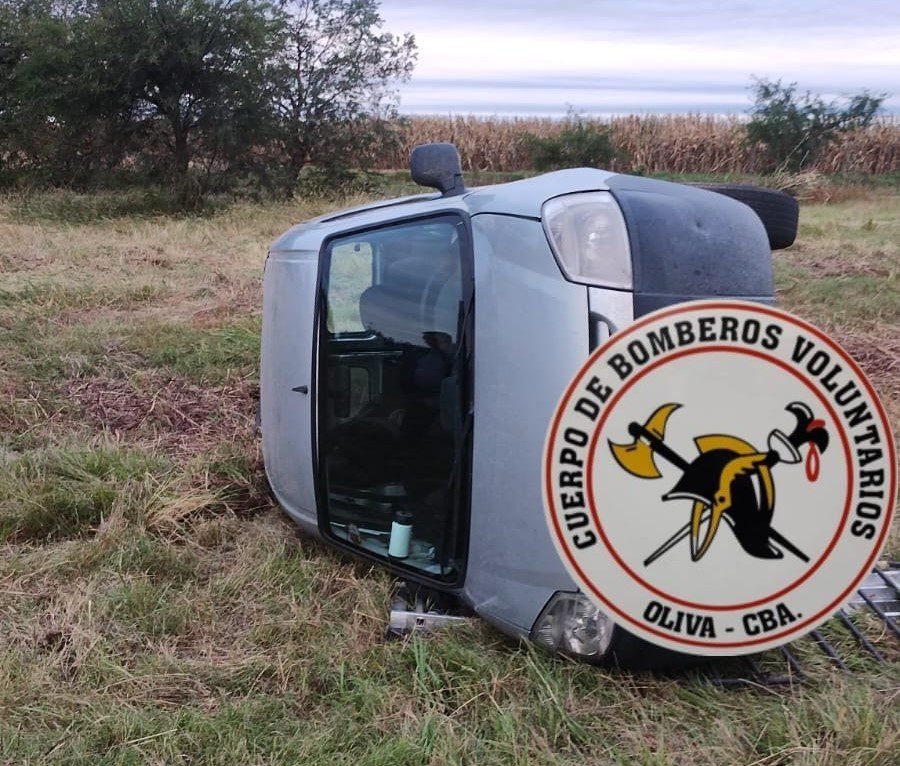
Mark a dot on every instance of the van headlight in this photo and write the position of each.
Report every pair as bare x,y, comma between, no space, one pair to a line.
588,237
571,623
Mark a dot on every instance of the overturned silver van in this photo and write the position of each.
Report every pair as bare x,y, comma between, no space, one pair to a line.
414,350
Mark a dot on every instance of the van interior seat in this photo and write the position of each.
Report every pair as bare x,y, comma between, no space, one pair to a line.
390,312
417,294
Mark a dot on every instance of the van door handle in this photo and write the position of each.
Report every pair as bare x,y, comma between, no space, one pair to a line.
301,389
599,329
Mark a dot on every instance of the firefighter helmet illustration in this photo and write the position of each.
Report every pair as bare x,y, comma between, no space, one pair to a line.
729,480
718,477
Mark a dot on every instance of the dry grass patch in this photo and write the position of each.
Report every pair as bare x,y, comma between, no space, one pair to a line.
844,271
844,260
197,270
877,350
156,608
169,412
814,186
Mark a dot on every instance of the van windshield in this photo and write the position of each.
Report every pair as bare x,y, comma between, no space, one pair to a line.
393,388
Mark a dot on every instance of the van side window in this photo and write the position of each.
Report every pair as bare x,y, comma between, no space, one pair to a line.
351,274
389,415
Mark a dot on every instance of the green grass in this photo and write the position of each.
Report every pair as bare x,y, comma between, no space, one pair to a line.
55,494
156,608
204,355
841,298
67,207
53,298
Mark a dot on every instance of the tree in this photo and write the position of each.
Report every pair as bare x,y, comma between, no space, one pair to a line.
175,83
11,52
794,128
579,144
194,90
336,81
59,108
197,67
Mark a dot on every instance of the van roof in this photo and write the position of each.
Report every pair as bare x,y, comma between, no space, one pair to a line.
518,198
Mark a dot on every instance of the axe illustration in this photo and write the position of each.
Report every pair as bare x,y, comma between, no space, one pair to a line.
637,457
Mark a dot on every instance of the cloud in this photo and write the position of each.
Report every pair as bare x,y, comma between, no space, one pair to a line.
673,47
649,19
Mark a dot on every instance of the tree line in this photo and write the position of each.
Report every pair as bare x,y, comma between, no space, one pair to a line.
267,96
199,94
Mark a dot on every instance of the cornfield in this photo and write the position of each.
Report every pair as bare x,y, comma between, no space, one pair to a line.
651,144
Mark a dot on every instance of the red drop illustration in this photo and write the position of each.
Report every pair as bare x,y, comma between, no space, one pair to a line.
812,457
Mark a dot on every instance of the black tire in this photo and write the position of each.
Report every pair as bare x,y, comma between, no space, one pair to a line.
778,211
628,652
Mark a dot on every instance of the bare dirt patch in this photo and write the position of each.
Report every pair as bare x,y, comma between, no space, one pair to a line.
836,261
878,353
179,416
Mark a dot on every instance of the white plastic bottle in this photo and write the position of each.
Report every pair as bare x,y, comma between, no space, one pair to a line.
401,533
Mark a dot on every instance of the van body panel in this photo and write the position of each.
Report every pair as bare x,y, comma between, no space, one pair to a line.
526,198
533,329
689,243
525,314
286,416
304,235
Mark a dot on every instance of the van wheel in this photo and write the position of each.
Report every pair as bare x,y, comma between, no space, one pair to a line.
628,652
778,211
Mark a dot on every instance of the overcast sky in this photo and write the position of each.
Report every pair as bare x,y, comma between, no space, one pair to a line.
638,56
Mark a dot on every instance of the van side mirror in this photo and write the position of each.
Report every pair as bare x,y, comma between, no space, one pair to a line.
437,166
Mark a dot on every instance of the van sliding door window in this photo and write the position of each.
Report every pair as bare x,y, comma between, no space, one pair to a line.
392,376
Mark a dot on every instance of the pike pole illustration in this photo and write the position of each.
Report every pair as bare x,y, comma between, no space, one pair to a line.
720,480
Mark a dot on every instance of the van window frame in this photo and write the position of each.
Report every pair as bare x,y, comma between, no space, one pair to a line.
462,489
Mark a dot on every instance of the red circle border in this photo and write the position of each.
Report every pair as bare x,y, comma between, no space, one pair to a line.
795,630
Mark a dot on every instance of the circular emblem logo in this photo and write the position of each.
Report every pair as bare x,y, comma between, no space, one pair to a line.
719,477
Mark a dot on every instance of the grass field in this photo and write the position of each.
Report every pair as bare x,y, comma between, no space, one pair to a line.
156,608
